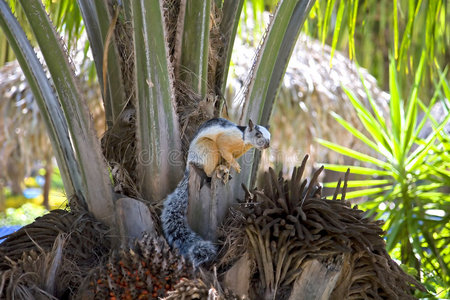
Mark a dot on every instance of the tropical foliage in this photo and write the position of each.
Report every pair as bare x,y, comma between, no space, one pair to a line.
372,30
409,189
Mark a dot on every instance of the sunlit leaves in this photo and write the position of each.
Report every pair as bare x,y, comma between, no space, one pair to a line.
369,29
407,187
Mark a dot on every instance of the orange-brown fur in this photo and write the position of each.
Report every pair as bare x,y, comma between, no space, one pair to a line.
227,145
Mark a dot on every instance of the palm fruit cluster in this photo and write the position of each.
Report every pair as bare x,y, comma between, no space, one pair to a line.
147,272
190,289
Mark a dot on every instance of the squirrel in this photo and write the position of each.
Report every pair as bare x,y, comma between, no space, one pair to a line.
216,139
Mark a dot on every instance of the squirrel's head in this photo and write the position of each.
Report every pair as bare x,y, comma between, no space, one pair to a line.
257,135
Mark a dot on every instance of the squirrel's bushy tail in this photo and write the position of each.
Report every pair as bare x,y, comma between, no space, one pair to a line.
176,228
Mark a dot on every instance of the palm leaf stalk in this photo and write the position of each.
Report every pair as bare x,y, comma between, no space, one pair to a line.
93,169
47,101
157,122
267,72
98,20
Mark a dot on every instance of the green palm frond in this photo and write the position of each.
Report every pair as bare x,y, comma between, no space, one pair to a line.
408,188
370,29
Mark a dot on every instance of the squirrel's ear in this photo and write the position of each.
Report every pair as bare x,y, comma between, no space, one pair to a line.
250,124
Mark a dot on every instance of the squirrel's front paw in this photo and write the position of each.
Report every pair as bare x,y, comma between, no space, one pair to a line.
202,252
223,172
237,167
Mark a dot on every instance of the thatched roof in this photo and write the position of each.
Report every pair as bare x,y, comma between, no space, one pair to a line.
311,90
23,136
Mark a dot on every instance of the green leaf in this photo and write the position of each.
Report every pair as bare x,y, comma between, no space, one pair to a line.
392,238
396,109
395,4
337,29
351,27
430,105
411,110
359,183
369,122
374,106
413,9
366,192
326,21
354,154
358,134
356,170
445,87
419,155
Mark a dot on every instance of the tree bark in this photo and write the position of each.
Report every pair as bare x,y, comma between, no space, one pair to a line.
208,203
237,278
317,280
134,220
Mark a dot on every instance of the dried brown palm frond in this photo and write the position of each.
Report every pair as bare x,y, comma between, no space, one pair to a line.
87,239
41,274
119,149
149,271
171,10
310,91
288,223
124,40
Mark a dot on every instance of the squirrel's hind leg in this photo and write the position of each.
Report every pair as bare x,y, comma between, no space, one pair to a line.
228,156
206,149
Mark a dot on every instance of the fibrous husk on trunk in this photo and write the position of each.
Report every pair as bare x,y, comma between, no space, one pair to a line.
48,258
88,238
40,274
288,224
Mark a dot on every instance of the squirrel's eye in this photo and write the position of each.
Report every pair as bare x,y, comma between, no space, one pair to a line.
258,135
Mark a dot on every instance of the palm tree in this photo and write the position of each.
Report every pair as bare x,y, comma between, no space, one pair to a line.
162,69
